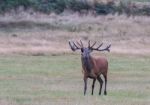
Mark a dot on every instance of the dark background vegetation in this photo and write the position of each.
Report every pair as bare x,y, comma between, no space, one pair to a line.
81,6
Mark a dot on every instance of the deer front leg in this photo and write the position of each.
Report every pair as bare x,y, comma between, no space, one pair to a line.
105,92
101,84
85,85
93,85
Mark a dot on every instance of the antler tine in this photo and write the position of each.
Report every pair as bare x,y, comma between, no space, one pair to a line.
105,49
99,45
74,47
71,46
89,44
81,43
93,44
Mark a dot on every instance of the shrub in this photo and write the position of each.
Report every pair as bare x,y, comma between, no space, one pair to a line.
58,6
144,11
77,5
7,5
104,9
48,6
123,7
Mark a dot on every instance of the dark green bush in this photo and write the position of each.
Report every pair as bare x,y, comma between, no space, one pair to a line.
7,5
48,6
77,5
58,6
126,7
104,9
123,7
145,11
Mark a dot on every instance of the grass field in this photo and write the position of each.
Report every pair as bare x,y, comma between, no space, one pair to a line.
37,66
57,80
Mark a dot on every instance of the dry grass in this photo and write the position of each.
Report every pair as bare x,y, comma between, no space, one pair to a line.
45,34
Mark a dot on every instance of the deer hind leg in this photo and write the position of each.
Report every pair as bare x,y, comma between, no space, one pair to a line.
105,77
93,85
101,84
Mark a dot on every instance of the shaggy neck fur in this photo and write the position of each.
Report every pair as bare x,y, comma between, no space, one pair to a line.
87,63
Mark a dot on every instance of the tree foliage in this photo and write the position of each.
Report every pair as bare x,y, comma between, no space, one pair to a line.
58,6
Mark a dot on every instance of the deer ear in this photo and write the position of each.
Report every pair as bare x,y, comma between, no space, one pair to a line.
81,49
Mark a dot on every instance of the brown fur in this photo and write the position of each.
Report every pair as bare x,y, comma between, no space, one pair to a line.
100,66
92,67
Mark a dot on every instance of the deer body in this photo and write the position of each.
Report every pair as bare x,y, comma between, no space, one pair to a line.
93,67
99,66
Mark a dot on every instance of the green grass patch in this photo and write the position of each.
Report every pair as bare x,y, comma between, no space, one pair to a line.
57,80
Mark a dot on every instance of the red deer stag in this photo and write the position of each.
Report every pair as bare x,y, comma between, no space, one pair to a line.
92,67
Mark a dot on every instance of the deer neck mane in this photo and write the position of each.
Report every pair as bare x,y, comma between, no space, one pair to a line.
87,63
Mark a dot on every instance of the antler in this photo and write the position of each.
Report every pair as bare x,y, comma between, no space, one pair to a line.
98,48
104,49
80,44
92,45
74,47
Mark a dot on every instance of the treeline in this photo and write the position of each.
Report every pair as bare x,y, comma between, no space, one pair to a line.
81,6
